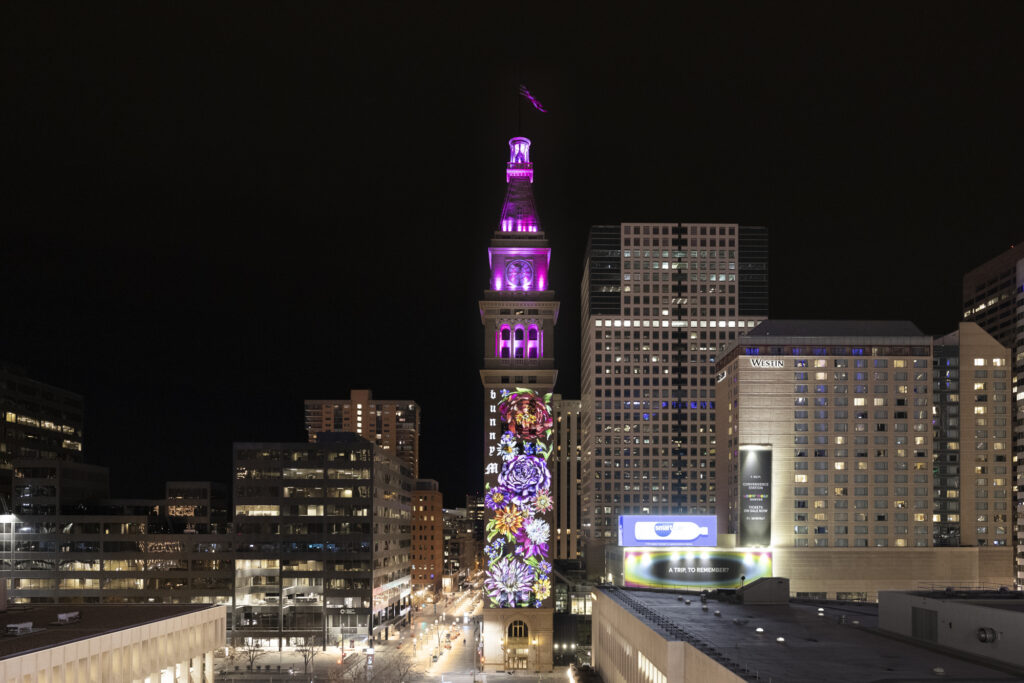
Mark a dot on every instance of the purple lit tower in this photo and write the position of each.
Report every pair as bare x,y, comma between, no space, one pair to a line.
519,313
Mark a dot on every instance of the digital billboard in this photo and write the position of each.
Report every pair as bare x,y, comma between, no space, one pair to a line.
518,533
693,569
755,496
668,530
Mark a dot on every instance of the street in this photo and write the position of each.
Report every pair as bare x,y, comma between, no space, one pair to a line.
456,617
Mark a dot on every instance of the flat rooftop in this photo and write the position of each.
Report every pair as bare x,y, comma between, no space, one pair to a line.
94,620
816,648
1012,601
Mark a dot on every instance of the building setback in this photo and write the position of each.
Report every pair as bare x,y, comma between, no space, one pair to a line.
393,426
565,477
660,301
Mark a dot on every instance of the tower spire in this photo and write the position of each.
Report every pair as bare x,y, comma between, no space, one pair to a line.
519,213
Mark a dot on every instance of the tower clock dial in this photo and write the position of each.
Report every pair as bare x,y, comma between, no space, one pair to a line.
519,273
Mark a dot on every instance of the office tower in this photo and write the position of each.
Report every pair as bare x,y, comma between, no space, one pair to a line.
427,538
393,426
825,446
322,540
477,511
37,421
565,477
460,548
659,303
992,293
973,472
519,313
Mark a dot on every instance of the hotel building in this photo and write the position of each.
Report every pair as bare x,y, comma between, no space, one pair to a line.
660,303
856,425
393,426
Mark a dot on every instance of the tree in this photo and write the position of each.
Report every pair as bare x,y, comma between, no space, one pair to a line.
394,667
251,649
309,647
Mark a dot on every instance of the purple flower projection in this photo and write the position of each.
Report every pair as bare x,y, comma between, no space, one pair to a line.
517,552
524,477
509,582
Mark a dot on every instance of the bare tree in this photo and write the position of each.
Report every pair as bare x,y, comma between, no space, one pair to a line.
394,667
250,649
309,647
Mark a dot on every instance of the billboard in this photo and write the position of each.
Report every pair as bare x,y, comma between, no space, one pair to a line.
668,530
755,496
693,569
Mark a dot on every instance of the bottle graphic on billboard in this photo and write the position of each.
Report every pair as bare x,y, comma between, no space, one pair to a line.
668,531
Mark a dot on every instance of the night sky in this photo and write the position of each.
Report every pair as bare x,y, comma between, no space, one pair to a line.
212,211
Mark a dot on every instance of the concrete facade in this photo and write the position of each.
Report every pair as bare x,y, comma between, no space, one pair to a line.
990,627
566,463
627,650
506,649
178,649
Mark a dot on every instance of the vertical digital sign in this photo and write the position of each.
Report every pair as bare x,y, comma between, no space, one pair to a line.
755,496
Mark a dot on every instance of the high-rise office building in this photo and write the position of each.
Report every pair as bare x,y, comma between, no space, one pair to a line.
37,422
427,537
519,312
393,426
659,303
566,477
992,294
459,548
322,540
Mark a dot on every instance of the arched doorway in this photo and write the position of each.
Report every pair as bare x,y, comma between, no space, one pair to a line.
517,646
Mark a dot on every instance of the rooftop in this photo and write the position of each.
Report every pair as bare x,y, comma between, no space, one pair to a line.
94,620
815,648
836,328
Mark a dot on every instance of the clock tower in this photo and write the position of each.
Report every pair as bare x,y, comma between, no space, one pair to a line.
519,313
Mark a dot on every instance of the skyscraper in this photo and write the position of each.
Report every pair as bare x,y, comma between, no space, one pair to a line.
659,303
393,426
992,293
519,313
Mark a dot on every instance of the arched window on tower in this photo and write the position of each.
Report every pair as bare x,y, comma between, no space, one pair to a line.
532,343
518,350
503,343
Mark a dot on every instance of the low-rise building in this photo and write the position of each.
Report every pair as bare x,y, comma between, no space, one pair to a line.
111,643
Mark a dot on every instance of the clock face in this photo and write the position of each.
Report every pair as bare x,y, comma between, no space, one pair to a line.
519,273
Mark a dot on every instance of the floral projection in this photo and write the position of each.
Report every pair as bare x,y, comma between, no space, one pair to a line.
518,571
